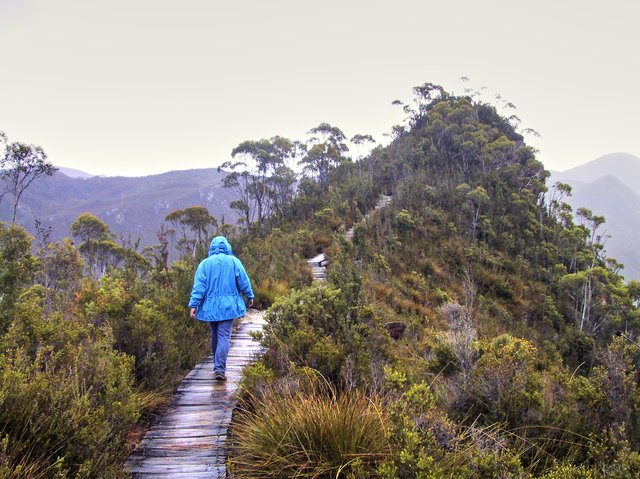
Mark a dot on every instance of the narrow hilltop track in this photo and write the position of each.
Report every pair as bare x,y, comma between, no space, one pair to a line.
383,201
190,439
318,264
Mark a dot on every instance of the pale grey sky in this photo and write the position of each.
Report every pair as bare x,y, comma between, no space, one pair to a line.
145,86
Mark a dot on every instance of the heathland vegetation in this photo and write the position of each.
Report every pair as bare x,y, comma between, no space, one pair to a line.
472,328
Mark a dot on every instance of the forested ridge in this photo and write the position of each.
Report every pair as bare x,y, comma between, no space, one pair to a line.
472,328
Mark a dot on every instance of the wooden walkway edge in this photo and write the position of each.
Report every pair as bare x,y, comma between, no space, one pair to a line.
189,440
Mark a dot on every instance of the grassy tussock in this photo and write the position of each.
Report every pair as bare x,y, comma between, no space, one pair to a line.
309,435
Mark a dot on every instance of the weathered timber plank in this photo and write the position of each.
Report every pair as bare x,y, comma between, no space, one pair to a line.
209,454
182,443
193,423
159,465
220,472
208,397
180,420
186,433
199,410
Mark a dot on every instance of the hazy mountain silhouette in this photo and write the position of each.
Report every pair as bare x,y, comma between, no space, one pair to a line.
611,198
623,166
73,173
610,186
133,206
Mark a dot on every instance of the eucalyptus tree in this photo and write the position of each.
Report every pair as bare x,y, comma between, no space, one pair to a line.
238,179
262,177
21,165
98,245
196,225
359,140
326,151
282,178
159,253
557,208
589,283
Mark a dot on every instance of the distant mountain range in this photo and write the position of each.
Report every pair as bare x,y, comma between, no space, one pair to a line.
129,205
610,186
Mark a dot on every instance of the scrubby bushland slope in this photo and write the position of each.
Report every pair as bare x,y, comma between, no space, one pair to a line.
517,353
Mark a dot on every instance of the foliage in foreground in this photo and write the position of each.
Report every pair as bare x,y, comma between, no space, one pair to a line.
464,408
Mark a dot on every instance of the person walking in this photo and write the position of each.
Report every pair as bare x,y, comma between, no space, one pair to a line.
215,298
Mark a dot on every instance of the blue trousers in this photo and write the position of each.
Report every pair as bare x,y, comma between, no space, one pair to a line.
220,336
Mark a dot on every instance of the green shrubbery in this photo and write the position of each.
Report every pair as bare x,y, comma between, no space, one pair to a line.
82,360
16,268
319,328
276,263
67,398
457,404
148,323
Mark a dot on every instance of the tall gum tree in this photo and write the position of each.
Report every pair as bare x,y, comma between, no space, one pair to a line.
20,166
201,224
261,177
326,151
98,246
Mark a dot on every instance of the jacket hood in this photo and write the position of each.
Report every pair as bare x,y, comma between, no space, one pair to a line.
220,245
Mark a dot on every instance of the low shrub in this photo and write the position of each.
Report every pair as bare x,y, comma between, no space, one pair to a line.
67,400
316,327
309,435
267,290
569,471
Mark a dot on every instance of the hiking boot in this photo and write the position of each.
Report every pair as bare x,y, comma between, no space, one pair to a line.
219,376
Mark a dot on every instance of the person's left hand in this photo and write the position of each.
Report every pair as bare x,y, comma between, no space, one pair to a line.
192,313
250,303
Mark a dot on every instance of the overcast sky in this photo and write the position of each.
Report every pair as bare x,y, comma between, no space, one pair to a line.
138,87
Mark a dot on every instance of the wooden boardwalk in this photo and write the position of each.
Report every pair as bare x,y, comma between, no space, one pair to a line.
189,440
318,265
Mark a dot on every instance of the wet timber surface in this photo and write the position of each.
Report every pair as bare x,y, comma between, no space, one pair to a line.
189,440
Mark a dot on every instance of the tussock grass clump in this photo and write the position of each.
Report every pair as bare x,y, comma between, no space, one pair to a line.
309,435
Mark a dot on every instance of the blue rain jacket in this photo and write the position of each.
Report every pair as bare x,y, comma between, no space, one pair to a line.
217,284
